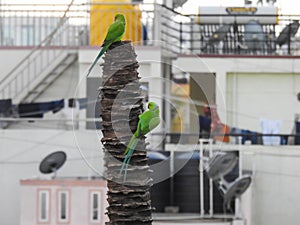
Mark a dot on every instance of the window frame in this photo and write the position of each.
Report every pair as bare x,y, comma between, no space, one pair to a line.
47,193
91,206
67,205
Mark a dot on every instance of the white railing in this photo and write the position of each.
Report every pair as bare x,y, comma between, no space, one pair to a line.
27,25
41,59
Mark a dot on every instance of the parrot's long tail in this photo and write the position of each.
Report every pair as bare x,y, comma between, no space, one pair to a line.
128,152
103,50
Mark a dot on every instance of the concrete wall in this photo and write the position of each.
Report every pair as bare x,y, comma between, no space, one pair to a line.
275,187
11,57
256,96
63,87
222,66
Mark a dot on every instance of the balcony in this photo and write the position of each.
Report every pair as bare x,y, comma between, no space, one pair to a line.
257,31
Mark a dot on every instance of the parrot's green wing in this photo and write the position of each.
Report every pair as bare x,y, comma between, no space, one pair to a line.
115,33
147,122
136,135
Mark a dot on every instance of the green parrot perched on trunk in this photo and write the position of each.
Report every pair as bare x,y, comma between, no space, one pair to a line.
147,122
115,33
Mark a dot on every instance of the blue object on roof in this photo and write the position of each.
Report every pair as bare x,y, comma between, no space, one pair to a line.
189,155
255,37
156,156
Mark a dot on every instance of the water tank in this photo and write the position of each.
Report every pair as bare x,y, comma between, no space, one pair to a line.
187,185
186,182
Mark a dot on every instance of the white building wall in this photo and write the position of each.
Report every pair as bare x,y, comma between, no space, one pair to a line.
222,66
256,96
11,57
275,187
63,87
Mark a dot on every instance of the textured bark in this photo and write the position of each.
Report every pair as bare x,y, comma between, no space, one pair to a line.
122,102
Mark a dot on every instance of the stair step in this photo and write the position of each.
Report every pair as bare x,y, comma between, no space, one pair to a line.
32,92
59,69
52,73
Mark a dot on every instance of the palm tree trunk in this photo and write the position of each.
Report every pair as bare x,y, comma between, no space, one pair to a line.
121,103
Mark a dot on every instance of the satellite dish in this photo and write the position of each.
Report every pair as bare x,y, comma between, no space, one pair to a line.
220,34
221,164
234,189
53,162
178,3
289,31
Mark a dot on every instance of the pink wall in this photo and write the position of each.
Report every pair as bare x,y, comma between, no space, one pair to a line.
79,200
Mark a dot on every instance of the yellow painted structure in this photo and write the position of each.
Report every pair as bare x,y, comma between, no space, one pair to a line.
102,15
179,117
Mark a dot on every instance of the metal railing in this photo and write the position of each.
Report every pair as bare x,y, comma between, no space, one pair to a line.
253,138
27,25
188,35
38,62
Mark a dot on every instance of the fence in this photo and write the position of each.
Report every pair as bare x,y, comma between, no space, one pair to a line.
153,24
43,57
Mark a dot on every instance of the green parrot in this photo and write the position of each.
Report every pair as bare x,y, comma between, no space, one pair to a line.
115,33
147,122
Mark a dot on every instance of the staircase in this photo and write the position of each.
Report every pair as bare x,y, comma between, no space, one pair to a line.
41,67
68,58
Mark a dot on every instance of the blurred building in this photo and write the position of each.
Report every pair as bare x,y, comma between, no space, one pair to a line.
243,63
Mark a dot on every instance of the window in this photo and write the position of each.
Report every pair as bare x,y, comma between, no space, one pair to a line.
43,206
63,206
95,206
9,35
27,35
